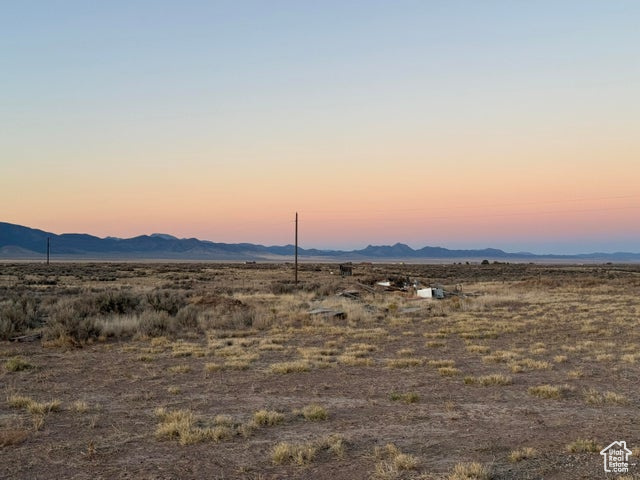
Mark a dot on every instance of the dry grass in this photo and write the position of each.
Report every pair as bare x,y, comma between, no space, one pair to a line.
582,445
594,397
355,361
335,444
296,453
33,407
80,406
391,462
576,373
314,413
405,352
448,371
488,380
480,349
267,417
441,363
237,364
409,397
184,426
527,364
212,367
522,454
550,391
18,364
501,356
179,424
470,471
302,454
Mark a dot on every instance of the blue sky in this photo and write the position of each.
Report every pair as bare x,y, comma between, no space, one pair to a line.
516,121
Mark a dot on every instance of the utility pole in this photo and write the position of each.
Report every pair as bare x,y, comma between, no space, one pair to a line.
296,261
48,248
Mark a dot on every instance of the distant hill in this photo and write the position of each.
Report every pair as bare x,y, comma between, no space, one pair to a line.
19,242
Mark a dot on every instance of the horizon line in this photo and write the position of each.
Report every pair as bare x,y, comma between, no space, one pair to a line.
336,249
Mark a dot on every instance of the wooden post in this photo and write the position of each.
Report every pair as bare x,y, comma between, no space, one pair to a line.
296,261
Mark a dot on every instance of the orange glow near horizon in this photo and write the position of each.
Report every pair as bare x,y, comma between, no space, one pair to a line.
509,197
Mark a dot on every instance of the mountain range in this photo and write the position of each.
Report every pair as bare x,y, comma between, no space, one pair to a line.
23,243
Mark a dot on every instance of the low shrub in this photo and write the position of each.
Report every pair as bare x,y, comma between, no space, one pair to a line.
157,324
71,319
120,302
168,301
17,316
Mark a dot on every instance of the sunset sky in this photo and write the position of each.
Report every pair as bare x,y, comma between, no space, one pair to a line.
463,124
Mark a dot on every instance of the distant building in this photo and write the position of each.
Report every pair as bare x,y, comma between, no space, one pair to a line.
346,269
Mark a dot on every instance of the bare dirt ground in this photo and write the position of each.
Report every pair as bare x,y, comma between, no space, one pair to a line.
180,371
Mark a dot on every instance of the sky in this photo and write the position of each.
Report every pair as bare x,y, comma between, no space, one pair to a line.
464,124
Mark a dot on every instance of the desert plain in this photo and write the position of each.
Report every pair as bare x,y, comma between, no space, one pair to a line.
223,371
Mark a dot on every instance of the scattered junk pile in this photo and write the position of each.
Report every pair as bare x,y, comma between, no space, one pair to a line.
412,289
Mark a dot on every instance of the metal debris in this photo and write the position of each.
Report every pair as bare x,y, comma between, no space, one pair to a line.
328,313
351,294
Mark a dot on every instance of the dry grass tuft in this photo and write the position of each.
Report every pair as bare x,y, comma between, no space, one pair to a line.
355,361
212,367
296,453
315,413
441,363
237,364
527,364
550,391
405,352
481,349
18,364
501,356
522,454
391,461
178,424
335,444
80,406
488,380
582,445
448,371
33,407
183,426
267,417
223,420
470,471
594,397
409,397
